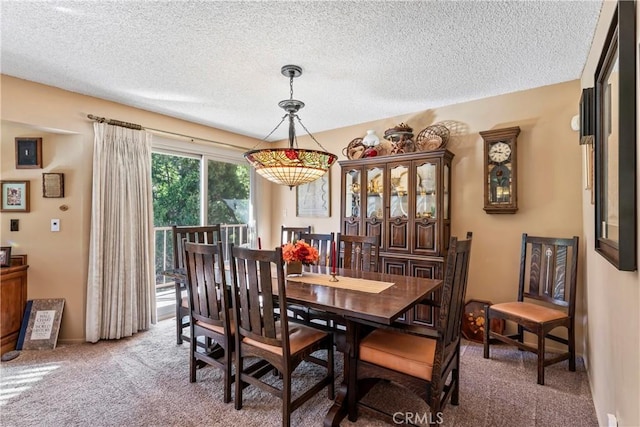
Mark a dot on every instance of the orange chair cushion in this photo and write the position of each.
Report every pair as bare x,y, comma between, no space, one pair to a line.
219,329
300,337
533,312
409,354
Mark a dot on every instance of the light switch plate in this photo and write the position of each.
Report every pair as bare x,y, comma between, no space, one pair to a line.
15,225
55,225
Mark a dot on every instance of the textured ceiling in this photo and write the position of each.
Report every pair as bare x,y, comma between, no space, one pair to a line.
218,62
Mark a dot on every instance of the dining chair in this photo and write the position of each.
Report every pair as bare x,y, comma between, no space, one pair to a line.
261,334
291,234
195,234
420,359
323,243
359,252
546,300
211,314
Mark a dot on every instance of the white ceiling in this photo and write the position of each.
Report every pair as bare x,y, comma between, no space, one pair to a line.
218,62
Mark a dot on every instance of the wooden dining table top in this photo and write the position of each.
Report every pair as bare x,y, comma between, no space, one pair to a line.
383,307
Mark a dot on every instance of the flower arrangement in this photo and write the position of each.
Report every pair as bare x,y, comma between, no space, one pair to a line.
299,251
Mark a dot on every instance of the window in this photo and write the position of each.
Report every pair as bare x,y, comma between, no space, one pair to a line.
196,185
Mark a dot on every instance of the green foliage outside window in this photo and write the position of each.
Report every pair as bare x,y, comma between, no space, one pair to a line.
176,190
228,189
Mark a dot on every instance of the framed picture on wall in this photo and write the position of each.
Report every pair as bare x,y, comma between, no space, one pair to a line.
5,256
28,153
52,185
15,196
314,199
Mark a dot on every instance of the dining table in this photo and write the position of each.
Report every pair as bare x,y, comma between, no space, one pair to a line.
357,297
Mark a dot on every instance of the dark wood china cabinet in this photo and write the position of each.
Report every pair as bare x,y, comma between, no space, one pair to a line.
404,198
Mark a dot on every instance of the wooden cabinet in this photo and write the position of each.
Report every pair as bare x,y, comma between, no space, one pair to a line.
405,199
13,298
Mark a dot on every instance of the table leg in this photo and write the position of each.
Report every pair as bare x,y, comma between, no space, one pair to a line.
340,407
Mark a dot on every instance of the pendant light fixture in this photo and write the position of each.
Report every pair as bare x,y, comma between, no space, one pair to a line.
291,166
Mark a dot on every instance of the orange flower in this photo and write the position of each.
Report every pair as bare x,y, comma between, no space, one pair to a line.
299,251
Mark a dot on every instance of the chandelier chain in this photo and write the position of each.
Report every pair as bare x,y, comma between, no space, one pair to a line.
291,87
309,133
270,133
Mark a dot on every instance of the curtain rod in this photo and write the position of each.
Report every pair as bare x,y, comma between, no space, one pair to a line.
139,127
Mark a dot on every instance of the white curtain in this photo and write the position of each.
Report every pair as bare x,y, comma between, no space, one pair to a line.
121,280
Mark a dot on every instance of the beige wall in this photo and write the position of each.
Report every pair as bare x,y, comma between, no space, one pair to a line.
612,297
58,261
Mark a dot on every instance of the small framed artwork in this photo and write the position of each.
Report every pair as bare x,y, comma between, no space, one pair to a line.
314,199
52,185
5,256
15,196
28,153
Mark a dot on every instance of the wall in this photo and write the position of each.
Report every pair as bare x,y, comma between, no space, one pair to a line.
58,261
612,296
549,181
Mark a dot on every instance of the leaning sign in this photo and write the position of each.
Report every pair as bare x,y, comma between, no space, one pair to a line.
40,324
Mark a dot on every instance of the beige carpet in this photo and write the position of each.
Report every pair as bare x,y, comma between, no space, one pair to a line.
143,381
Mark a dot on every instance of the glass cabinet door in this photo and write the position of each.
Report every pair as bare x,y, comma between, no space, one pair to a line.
375,193
352,192
399,179
426,200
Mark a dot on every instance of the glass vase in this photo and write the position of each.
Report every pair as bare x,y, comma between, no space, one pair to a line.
294,268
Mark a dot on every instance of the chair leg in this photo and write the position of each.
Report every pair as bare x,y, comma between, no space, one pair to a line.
520,336
178,319
286,400
572,349
353,390
227,375
541,357
330,372
434,408
192,359
486,331
455,378
239,369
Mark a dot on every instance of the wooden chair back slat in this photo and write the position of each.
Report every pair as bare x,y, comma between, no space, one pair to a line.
291,234
253,289
359,252
322,242
550,269
454,289
559,284
197,234
206,283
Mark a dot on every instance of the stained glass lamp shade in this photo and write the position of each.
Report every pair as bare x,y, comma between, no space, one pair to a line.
291,166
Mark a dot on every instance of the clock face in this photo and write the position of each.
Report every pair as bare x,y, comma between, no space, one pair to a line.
499,152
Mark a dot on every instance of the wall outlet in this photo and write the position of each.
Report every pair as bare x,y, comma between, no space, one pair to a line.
55,225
